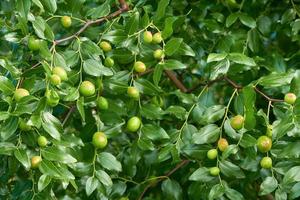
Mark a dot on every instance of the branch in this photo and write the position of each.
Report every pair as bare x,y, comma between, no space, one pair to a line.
178,166
176,81
124,7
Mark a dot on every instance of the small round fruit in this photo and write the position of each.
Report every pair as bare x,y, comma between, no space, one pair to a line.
133,93
66,21
34,44
269,131
266,162
102,103
158,54
35,161
264,144
42,141
87,88
157,38
237,122
133,124
147,36
105,46
99,140
212,154
52,98
55,79
214,171
222,144
109,62
290,98
139,66
20,93
23,126
61,72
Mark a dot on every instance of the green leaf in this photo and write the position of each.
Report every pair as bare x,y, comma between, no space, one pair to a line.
171,189
173,45
233,194
95,68
99,11
249,105
43,182
219,69
158,70
161,9
247,20
207,134
154,132
133,23
80,108
22,156
58,154
292,175
201,174
6,86
231,19
26,105
216,192
151,111
146,87
253,39
231,149
216,57
276,79
91,185
231,170
104,178
177,111
23,7
52,125
8,127
58,171
295,191
108,161
280,194
268,186
168,29
173,64
6,148
185,50
50,5
241,59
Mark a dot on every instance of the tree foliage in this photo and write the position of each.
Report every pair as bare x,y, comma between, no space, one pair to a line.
168,99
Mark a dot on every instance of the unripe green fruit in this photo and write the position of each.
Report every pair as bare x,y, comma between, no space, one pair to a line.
222,144
34,44
133,93
157,38
66,21
133,124
20,93
42,141
105,46
237,122
269,131
99,140
55,79
139,66
23,126
61,72
147,36
35,161
290,98
102,103
109,62
87,88
266,162
214,171
52,98
158,54
212,154
264,144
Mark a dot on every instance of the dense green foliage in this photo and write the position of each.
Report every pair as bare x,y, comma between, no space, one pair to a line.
164,99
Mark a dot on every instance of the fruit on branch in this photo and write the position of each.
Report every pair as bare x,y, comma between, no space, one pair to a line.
269,131
214,171
55,79
264,144
23,126
212,154
266,162
157,38
147,36
35,161
87,88
237,122
61,72
133,93
66,21
102,103
105,46
158,54
20,93
99,140
222,144
133,124
139,66
109,62
52,98
34,44
290,98
42,141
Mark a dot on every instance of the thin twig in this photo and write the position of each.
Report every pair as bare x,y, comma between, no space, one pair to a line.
72,109
176,81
